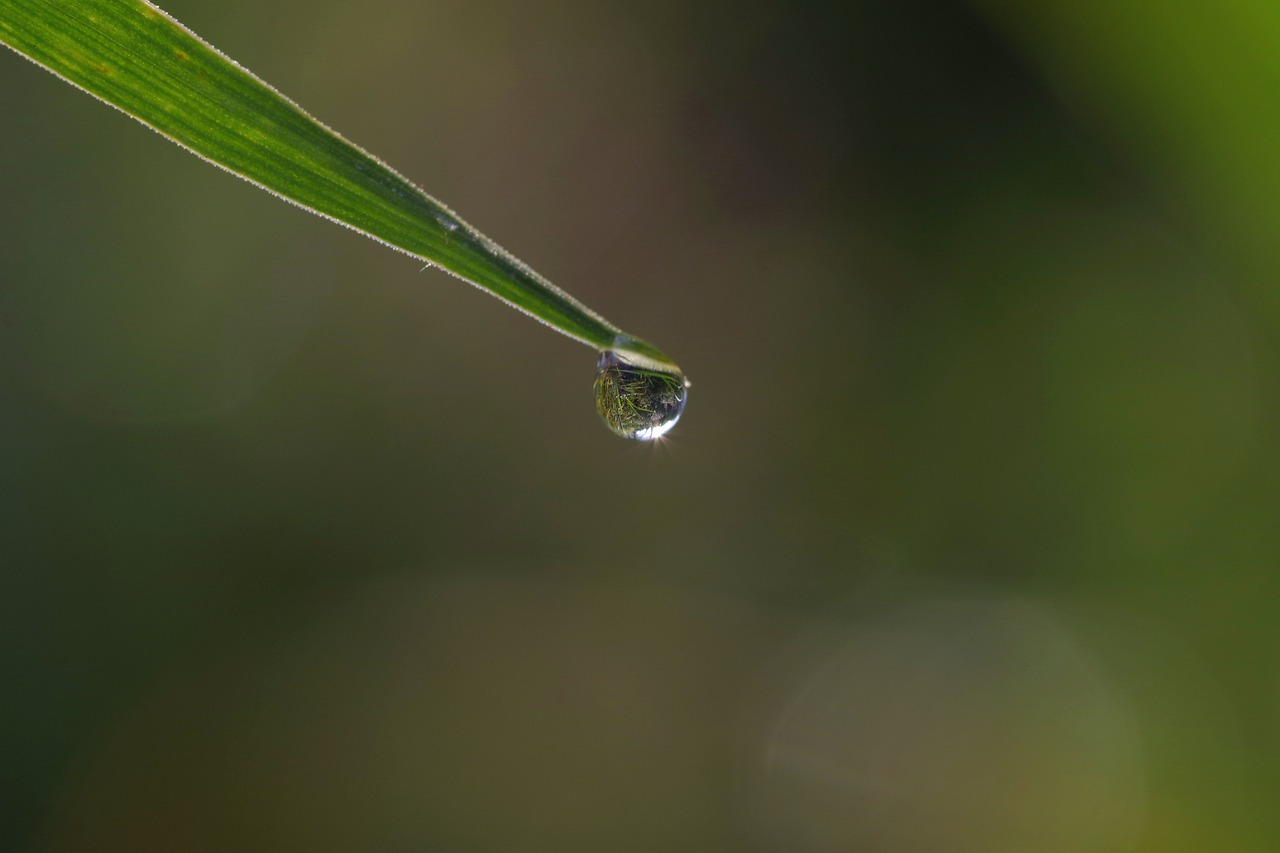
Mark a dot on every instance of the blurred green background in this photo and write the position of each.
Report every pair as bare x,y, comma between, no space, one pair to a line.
967,542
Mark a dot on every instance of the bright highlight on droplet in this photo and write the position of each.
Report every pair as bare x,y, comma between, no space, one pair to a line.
637,401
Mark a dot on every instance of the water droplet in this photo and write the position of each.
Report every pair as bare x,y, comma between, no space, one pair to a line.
638,401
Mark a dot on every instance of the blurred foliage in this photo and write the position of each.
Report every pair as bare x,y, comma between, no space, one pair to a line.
967,542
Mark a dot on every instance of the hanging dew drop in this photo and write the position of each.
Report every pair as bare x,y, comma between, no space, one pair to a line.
638,401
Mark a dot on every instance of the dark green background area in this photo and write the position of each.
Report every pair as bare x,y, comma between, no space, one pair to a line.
967,541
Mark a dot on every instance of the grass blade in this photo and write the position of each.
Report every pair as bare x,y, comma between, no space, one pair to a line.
135,57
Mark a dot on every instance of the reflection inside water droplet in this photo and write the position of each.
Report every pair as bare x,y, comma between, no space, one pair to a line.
637,401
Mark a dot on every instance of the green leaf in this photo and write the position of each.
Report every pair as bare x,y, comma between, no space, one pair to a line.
136,58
